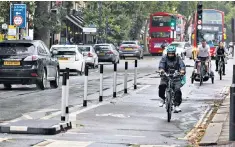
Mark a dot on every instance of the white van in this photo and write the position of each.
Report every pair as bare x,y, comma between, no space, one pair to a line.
69,56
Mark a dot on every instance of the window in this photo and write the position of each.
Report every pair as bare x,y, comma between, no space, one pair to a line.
129,42
161,35
160,21
45,48
102,48
41,49
17,49
84,48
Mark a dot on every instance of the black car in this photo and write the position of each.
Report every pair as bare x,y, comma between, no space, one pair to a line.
27,62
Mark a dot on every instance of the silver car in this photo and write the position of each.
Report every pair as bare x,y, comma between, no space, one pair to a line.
131,49
107,53
90,56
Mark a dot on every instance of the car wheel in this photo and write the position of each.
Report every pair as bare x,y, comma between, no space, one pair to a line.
7,86
55,83
41,84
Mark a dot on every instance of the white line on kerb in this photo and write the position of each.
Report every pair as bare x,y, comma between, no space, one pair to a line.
130,136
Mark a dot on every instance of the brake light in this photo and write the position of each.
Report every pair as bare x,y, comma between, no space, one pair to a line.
121,47
34,74
90,55
110,52
31,58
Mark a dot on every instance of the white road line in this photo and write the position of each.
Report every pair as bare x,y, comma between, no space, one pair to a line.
79,133
27,116
130,136
159,145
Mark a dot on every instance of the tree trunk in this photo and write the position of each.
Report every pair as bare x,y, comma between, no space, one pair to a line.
42,33
145,36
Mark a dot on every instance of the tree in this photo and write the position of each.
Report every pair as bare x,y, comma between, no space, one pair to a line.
188,13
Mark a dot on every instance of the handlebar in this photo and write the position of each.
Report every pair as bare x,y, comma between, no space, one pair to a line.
174,75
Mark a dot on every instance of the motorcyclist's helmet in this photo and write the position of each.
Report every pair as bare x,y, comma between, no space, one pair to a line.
171,52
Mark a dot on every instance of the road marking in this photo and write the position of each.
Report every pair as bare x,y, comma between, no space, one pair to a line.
113,115
130,136
159,145
62,143
27,116
4,139
79,133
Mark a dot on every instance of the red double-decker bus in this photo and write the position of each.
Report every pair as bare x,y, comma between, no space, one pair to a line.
160,31
212,29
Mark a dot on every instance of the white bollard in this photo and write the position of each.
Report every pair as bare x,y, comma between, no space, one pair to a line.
115,80
63,99
85,87
135,75
101,82
125,78
67,95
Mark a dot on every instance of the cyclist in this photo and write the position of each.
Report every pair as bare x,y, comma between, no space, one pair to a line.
220,50
203,55
171,61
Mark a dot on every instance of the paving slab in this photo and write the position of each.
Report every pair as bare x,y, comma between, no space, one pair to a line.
219,118
212,134
223,110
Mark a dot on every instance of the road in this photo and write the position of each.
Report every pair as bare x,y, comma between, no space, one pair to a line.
130,120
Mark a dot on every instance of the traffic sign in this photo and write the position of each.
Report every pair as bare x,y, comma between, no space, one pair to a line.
18,15
18,20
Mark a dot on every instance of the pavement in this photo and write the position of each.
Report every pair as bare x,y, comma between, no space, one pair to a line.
132,119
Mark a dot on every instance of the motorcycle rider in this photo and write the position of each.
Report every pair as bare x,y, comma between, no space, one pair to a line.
220,50
171,61
203,55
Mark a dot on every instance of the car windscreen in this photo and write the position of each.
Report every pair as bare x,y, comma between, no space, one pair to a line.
17,49
128,43
101,48
177,45
84,48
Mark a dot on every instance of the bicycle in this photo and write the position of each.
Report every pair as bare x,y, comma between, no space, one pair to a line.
170,93
220,65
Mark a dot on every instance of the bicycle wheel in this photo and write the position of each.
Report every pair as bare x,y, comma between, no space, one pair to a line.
169,113
168,106
220,71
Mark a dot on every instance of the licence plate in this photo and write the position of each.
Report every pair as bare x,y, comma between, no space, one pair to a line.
63,58
128,48
12,63
101,54
160,51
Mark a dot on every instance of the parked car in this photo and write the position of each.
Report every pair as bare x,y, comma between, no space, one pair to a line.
107,53
69,56
90,56
131,49
27,62
182,49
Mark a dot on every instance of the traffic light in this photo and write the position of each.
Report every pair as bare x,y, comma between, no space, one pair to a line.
199,23
173,22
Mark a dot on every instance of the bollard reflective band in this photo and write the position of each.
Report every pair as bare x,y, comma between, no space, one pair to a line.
64,79
67,73
135,63
86,70
115,67
126,65
101,68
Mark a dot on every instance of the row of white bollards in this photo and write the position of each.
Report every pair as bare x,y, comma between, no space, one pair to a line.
65,87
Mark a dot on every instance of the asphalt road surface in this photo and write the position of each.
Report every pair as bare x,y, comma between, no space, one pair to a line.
133,120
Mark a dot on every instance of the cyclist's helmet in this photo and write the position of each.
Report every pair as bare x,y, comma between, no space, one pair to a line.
171,52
